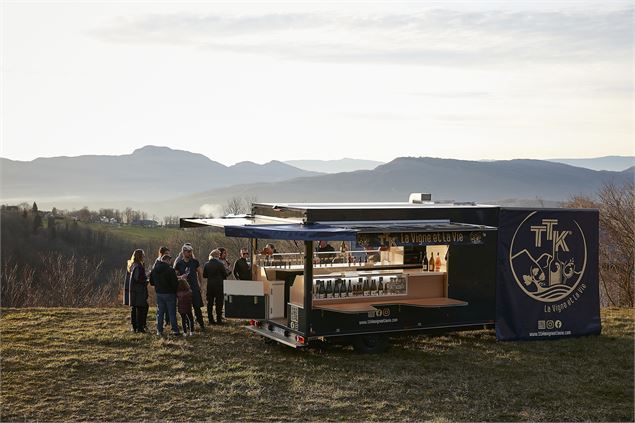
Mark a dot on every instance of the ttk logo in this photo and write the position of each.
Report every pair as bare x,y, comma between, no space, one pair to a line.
548,257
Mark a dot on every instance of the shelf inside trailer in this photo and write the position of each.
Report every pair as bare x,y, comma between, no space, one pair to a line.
370,305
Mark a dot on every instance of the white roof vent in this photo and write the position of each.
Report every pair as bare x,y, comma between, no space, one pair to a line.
419,197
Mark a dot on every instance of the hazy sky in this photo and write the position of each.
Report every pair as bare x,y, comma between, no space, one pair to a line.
375,80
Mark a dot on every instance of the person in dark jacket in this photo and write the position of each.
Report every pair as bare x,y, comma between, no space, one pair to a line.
214,271
190,267
165,282
136,291
162,250
242,270
184,296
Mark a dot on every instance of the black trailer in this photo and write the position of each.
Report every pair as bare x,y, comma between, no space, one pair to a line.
530,273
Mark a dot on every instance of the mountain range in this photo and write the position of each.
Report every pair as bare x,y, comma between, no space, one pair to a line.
163,181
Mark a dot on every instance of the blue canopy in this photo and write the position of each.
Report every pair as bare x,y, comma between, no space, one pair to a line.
346,231
299,232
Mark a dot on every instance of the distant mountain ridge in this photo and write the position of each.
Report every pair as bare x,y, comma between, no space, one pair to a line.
335,166
511,182
614,163
163,181
145,174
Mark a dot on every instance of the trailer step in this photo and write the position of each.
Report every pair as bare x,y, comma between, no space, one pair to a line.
286,340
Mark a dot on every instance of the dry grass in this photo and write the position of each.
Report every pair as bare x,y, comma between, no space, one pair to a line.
84,364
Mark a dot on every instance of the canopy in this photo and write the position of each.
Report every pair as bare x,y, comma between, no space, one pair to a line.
372,232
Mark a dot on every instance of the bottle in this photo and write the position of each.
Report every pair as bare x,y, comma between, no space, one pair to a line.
316,290
425,263
322,291
349,291
431,263
358,287
329,289
380,286
437,263
445,260
373,287
365,288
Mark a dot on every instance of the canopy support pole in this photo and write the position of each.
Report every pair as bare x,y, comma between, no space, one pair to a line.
308,286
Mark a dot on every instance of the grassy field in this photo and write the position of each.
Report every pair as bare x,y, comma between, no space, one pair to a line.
84,364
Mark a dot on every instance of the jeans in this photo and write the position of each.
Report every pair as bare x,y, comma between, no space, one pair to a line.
216,298
167,302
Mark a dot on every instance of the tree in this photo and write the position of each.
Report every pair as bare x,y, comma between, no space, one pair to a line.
51,227
34,208
37,223
238,205
617,239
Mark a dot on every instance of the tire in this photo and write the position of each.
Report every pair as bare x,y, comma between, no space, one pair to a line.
370,344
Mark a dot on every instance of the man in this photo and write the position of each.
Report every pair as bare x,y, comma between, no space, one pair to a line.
242,270
271,255
223,259
165,282
190,268
215,273
326,252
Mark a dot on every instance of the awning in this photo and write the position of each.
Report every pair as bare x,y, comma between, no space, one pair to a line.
298,232
374,233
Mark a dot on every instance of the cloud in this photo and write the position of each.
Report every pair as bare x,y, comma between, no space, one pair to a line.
428,37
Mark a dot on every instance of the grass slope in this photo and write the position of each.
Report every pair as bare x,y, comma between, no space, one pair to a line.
84,364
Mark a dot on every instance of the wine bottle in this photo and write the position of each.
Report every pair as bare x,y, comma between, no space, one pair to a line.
359,288
425,263
349,291
437,263
373,287
365,288
431,262
329,289
380,286
322,291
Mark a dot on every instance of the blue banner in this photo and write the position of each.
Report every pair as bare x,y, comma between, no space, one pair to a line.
547,274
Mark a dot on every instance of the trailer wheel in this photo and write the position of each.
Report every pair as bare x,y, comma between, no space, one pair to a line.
370,344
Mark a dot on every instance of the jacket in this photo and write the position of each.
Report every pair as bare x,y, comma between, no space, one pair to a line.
163,277
242,270
185,300
214,271
136,287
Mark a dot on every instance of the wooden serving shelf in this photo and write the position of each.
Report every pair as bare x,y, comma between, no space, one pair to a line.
366,306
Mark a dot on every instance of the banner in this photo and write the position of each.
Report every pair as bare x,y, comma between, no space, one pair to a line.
547,274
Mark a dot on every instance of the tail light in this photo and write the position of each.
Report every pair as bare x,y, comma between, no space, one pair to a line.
255,323
300,339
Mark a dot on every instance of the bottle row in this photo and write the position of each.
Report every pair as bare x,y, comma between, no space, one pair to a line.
359,287
434,264
319,260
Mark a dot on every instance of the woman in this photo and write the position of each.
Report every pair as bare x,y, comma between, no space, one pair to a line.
136,291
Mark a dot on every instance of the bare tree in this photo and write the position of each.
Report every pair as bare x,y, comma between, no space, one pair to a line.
238,205
617,240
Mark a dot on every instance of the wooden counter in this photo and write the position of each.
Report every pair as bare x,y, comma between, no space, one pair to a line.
364,306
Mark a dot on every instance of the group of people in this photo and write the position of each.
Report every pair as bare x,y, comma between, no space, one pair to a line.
178,287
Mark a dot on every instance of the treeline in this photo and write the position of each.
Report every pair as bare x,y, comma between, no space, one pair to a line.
103,215
61,261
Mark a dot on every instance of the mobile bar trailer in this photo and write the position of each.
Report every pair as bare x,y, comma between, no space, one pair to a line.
402,268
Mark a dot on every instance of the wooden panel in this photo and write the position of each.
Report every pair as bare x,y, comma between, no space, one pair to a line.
347,308
435,302
426,285
296,294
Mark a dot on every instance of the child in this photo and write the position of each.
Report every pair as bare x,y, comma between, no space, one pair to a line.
184,295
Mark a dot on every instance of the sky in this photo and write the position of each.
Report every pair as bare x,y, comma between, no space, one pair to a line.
263,81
